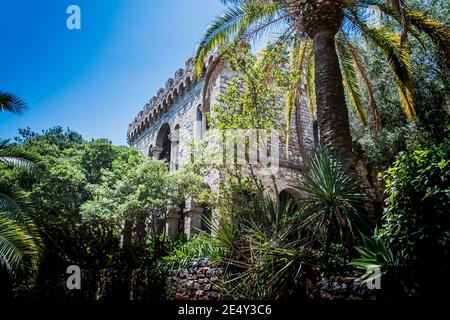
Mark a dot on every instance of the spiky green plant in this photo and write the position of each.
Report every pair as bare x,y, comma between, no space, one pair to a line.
376,252
333,199
258,244
324,39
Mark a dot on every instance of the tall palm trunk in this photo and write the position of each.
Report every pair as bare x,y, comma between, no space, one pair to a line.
322,20
332,114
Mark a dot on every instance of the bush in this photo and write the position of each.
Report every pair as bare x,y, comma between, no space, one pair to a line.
417,210
418,203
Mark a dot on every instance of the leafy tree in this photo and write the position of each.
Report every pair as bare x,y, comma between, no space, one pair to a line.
98,155
136,192
248,102
430,73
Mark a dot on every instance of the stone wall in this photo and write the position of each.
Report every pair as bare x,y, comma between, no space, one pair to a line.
197,282
176,107
345,287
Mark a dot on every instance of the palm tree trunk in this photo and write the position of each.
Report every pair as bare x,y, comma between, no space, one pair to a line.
332,113
322,20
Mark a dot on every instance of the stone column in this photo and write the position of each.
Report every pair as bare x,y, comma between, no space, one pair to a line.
156,225
175,146
156,152
172,221
192,218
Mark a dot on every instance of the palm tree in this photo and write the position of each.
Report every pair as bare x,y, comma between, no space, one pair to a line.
19,239
325,36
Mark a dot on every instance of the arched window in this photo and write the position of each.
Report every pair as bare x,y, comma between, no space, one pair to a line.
163,143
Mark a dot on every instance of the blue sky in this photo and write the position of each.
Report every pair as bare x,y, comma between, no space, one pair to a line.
93,80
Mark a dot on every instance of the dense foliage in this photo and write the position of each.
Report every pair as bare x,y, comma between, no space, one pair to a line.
416,227
83,193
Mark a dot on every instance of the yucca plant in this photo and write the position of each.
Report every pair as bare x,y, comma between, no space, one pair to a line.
324,38
331,209
273,267
259,244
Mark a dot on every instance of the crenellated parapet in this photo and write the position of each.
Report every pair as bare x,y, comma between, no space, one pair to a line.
160,103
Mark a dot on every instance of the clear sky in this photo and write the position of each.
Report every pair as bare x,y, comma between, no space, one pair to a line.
93,80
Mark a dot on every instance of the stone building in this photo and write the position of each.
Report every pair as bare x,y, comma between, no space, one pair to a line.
175,116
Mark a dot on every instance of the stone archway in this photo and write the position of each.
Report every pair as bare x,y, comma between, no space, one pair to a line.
289,196
163,148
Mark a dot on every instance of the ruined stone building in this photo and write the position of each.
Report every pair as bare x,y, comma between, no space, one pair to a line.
175,116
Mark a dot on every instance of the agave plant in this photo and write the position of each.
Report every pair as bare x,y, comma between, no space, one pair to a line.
333,199
324,38
377,253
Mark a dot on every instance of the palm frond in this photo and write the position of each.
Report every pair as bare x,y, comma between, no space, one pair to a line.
16,244
236,19
350,78
298,58
438,31
13,157
399,8
398,58
11,103
373,107
311,83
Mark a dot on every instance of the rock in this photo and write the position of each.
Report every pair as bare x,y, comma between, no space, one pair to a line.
213,295
180,297
199,293
325,295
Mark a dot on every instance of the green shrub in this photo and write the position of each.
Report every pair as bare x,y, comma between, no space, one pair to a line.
334,258
418,202
417,213
200,246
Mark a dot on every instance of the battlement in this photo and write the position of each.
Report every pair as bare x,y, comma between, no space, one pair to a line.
160,103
